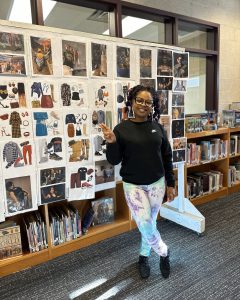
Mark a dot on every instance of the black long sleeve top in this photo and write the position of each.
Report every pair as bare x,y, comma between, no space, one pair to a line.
144,150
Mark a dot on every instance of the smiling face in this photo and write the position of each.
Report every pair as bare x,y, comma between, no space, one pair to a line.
142,106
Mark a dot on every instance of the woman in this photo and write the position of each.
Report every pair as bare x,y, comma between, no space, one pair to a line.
142,146
18,196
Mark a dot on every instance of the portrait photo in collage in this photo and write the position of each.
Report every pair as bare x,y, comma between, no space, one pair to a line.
20,194
52,183
74,58
123,60
164,63
145,61
180,62
121,102
99,60
41,55
12,54
163,100
179,146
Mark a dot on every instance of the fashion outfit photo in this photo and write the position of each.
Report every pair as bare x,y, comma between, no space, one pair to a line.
146,157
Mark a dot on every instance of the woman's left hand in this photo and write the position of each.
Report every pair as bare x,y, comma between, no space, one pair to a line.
170,193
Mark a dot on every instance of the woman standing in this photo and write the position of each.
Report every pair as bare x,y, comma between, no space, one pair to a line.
141,145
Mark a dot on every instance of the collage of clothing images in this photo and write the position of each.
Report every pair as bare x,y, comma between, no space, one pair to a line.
52,103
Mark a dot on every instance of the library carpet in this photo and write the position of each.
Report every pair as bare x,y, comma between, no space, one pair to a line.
206,267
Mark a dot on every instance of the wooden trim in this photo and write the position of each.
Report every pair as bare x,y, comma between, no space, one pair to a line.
37,12
207,133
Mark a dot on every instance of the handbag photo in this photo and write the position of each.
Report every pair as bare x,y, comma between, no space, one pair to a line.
36,104
14,104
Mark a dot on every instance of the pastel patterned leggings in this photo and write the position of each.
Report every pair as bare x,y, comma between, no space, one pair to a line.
144,202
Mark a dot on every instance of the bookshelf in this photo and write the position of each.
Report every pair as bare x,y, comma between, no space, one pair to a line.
123,221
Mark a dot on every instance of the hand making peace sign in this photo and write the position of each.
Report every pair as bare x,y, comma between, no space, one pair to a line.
108,133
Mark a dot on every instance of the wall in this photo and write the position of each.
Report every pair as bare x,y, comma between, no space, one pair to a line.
225,13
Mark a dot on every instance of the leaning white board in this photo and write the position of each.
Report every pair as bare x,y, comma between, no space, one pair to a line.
181,210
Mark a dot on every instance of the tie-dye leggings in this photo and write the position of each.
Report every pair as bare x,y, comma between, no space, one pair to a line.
144,202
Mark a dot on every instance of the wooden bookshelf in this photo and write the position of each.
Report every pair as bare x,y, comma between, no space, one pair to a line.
123,221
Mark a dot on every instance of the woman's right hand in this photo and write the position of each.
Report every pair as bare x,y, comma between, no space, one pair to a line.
108,134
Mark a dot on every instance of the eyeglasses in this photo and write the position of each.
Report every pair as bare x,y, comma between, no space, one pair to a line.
141,101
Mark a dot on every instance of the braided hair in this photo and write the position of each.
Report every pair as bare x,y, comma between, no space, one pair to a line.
132,94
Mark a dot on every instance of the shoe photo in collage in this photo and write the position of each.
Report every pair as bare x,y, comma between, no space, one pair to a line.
50,151
12,95
99,117
43,94
47,123
73,95
79,150
104,175
81,181
76,123
17,156
15,124
99,151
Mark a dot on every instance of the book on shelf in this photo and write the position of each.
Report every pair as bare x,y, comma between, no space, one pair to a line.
36,232
203,183
10,242
103,210
65,224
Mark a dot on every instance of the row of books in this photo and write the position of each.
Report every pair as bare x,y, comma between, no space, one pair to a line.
231,117
199,184
36,232
201,122
205,151
65,224
233,174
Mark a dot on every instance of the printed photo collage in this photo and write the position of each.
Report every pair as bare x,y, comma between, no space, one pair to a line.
51,103
172,76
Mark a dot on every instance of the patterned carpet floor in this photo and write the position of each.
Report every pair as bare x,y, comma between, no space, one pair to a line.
203,268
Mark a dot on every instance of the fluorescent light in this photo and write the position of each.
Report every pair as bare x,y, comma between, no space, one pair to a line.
108,294
21,11
86,288
130,25
47,6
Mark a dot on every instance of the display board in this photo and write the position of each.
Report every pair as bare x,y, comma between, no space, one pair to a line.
56,87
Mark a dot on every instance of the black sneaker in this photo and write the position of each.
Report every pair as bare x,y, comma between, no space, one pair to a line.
165,265
144,268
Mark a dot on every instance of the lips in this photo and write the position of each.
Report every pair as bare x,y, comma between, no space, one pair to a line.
142,110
